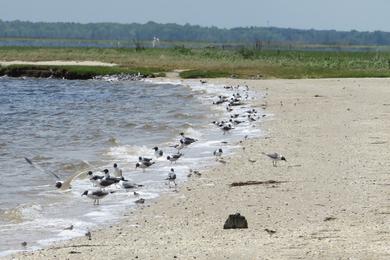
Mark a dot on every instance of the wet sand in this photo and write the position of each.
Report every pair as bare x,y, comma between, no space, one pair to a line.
333,201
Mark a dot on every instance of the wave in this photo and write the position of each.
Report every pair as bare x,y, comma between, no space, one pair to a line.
21,213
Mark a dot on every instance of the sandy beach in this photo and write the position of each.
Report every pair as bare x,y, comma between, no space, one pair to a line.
331,199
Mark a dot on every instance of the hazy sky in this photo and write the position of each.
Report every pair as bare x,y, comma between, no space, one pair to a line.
362,15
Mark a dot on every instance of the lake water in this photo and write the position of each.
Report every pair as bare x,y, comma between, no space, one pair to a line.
67,126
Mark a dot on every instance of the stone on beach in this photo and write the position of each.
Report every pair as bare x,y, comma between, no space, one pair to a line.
235,221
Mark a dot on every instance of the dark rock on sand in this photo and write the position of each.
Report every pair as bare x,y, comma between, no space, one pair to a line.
235,221
140,201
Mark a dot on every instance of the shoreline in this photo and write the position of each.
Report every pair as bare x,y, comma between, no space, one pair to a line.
331,202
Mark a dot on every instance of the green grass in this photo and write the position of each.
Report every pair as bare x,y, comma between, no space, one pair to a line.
73,72
214,62
193,74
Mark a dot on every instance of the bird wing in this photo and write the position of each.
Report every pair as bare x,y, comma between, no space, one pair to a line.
273,155
41,169
67,182
99,193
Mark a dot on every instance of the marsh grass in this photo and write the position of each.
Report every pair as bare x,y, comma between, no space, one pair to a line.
214,62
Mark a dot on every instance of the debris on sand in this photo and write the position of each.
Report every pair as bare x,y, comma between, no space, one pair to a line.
246,183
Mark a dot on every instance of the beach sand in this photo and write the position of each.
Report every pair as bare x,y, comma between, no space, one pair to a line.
333,201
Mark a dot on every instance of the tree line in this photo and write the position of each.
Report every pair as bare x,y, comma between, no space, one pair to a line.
187,32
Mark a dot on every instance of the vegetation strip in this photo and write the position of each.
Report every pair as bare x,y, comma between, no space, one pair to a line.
212,62
70,72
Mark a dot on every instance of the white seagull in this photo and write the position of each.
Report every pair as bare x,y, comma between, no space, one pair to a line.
117,171
171,177
275,158
174,157
62,185
158,152
96,195
218,153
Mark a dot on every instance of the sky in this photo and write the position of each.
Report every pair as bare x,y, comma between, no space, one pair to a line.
346,15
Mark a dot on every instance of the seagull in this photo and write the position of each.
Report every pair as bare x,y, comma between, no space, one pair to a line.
171,177
187,140
236,122
117,171
275,157
158,152
144,159
106,182
143,165
178,146
251,111
96,195
94,178
218,153
62,185
127,185
226,128
174,157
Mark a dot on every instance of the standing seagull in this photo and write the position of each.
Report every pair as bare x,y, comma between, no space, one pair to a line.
218,153
226,128
275,158
144,159
174,157
158,152
143,165
117,171
171,177
94,178
96,195
187,140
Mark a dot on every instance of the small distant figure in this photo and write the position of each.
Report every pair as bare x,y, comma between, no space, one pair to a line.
171,177
195,172
62,185
218,153
143,165
95,179
226,128
144,159
96,195
155,41
174,157
117,171
275,157
158,152
185,140
89,235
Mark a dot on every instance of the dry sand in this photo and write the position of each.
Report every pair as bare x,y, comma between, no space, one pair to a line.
57,63
334,202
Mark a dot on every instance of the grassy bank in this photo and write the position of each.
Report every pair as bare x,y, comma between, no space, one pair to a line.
73,72
213,62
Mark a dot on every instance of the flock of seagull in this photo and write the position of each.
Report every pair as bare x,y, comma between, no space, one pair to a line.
102,182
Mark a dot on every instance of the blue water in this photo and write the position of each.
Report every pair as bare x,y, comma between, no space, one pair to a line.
71,126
